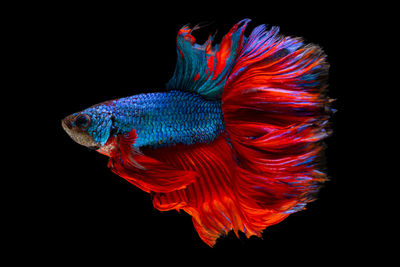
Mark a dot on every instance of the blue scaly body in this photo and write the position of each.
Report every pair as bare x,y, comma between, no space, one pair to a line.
160,119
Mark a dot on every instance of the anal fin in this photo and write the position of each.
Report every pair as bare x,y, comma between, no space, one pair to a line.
214,200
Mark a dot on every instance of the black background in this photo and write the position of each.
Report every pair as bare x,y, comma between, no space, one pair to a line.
77,56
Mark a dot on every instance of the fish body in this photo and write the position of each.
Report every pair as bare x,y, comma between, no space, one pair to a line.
235,141
159,119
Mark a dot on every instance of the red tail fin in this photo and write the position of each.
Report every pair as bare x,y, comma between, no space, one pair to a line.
276,113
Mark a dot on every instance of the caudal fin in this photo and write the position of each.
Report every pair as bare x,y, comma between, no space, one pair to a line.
276,113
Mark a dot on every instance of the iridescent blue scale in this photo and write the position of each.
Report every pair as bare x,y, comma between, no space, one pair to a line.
168,118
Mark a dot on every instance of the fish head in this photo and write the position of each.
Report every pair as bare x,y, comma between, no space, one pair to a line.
90,127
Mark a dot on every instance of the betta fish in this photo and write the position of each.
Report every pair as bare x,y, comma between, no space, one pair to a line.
235,140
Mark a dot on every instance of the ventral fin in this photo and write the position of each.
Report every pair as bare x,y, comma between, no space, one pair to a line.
145,172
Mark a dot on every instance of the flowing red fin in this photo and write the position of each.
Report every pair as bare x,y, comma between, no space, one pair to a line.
224,197
145,172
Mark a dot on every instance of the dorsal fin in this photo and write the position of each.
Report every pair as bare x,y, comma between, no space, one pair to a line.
203,69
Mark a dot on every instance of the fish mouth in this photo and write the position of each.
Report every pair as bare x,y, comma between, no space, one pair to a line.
66,123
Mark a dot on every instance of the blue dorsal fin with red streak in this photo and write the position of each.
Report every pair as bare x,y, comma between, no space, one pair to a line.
204,69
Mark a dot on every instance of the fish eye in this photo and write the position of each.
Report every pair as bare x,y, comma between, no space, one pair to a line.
82,120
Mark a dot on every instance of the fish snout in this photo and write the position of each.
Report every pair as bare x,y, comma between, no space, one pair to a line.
67,123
